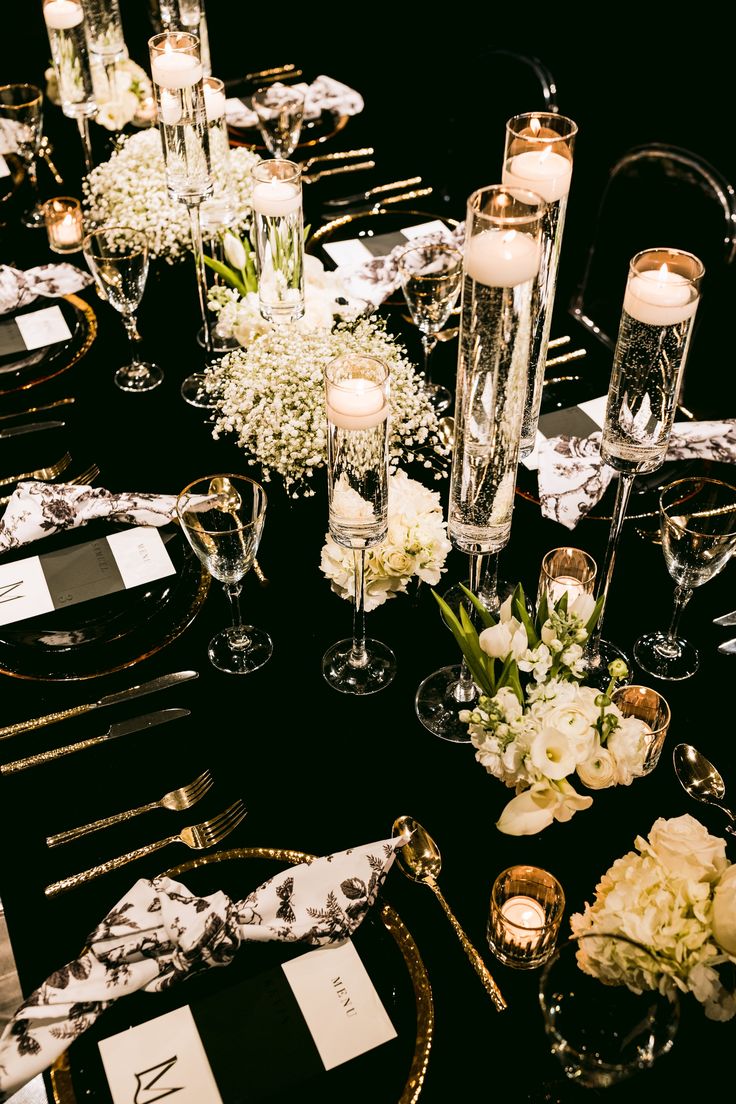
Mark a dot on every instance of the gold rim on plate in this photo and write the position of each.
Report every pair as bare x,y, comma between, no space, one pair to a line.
61,1074
237,135
89,339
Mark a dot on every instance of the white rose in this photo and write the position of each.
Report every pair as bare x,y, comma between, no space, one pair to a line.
628,744
553,754
599,771
686,849
724,911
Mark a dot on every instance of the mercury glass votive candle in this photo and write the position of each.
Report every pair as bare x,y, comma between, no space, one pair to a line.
64,226
524,919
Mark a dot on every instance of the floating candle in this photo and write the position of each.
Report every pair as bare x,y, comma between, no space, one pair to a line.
543,171
502,258
356,403
276,197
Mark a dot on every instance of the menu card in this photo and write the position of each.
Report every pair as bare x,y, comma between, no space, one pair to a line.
33,330
63,578
255,1038
358,250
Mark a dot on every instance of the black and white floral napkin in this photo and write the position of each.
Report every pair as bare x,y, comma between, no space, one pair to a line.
18,288
160,933
323,94
38,510
572,478
378,277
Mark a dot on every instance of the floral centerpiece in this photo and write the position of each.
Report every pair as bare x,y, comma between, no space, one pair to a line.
118,106
676,896
129,189
416,546
271,396
536,724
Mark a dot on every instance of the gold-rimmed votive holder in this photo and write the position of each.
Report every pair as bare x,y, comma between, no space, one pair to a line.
64,224
566,570
649,707
526,909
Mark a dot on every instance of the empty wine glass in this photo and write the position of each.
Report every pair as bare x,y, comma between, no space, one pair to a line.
280,111
431,276
118,259
605,1033
21,120
698,528
222,517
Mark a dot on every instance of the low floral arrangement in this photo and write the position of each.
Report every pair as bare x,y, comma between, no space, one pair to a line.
536,723
132,92
129,189
416,546
676,896
271,395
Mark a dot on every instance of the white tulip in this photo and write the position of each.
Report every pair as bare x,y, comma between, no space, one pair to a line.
496,641
234,251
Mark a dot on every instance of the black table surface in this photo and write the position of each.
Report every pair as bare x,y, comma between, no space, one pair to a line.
319,771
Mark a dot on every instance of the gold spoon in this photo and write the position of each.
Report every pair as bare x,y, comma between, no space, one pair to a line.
421,861
701,780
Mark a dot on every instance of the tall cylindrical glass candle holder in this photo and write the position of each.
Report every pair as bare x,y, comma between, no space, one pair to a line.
279,239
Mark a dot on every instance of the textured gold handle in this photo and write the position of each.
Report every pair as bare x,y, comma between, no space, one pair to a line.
365,152
416,194
477,962
75,880
48,756
104,822
48,718
312,178
259,574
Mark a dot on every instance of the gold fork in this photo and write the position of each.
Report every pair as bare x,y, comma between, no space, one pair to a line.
176,800
367,151
82,480
196,836
312,178
40,473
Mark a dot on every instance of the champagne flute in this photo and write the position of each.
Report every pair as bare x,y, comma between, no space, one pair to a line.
280,112
118,259
431,276
356,400
698,527
222,517
661,298
21,119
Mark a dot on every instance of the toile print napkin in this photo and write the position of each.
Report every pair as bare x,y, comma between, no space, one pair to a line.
323,94
18,289
572,478
160,933
377,277
38,510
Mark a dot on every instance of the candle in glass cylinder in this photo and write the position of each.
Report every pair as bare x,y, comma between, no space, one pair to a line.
543,171
62,14
356,403
523,921
276,197
214,101
502,258
175,69
659,297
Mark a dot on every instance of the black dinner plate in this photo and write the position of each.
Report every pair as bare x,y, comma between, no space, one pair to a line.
314,131
389,1074
19,371
104,634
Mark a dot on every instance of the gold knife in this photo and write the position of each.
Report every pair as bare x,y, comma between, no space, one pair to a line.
360,197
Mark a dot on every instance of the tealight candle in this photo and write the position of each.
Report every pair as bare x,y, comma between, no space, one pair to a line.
276,197
60,15
356,403
175,69
660,297
564,570
502,258
63,218
523,921
214,99
525,914
542,171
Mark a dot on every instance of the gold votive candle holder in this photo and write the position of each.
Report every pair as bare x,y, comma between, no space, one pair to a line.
64,225
566,569
649,707
525,914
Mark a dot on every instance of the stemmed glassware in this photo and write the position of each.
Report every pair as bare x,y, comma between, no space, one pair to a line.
279,239
222,517
21,122
118,259
105,37
500,274
431,276
698,528
280,112
356,400
176,71
662,296
66,28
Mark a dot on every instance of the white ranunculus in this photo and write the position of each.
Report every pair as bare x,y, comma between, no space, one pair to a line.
599,771
553,753
573,720
724,911
628,744
686,849
249,322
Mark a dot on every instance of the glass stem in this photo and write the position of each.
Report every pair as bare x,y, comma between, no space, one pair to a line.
358,653
199,265
33,179
488,592
112,83
623,493
83,124
683,594
428,343
238,635
465,687
134,339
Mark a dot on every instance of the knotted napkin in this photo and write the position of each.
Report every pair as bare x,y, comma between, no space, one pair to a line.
160,933
572,477
38,510
378,277
18,289
323,94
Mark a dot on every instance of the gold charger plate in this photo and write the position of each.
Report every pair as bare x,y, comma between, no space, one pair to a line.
62,1074
68,357
314,132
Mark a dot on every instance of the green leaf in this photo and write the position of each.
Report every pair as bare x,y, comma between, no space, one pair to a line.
228,274
523,616
561,603
593,619
468,644
487,618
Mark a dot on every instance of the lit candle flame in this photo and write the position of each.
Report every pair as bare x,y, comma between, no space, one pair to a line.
535,125
663,269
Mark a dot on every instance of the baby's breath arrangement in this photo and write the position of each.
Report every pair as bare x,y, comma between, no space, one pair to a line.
271,395
129,189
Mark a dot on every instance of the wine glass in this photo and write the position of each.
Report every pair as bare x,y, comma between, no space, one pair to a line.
431,276
280,112
605,1033
21,120
222,517
698,528
118,259
356,400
